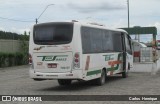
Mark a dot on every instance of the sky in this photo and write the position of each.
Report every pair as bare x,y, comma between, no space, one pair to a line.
111,13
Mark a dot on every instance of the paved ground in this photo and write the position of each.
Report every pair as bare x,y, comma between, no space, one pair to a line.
16,81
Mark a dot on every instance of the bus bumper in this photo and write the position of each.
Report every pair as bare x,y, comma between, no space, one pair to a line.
68,75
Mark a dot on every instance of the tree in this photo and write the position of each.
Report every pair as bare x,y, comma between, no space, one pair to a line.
25,46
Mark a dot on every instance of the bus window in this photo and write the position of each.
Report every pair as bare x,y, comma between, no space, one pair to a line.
107,40
117,41
128,45
96,40
53,34
100,41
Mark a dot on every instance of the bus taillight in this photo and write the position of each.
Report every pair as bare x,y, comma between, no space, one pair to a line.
30,59
76,60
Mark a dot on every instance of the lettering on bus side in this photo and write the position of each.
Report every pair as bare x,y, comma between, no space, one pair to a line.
109,57
54,58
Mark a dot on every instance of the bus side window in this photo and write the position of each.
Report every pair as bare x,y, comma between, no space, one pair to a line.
96,40
128,45
107,41
86,41
117,41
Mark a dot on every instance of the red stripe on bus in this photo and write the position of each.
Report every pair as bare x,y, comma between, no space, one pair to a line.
87,63
112,63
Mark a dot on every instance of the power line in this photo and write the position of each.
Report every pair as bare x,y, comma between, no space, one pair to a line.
15,20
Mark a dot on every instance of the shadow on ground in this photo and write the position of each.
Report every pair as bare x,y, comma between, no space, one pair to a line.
81,85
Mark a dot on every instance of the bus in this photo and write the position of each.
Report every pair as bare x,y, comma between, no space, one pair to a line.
67,51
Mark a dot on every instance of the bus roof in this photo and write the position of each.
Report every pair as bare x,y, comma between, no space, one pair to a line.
89,24
100,26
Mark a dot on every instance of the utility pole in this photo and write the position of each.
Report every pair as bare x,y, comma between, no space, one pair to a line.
36,20
128,12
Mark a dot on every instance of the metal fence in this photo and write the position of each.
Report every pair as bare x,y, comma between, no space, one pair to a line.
146,54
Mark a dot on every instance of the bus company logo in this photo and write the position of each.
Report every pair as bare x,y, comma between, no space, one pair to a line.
6,98
109,57
54,58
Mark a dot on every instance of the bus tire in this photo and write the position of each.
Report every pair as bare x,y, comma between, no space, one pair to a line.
125,72
64,82
100,81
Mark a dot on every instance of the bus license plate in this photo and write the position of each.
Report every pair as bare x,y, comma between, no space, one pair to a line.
52,65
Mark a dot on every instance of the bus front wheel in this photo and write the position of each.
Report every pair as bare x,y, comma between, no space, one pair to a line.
125,72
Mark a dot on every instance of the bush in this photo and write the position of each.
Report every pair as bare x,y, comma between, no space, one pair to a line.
3,57
19,58
11,59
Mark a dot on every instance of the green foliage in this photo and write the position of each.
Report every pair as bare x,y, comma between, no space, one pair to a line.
13,36
25,48
11,59
3,56
18,58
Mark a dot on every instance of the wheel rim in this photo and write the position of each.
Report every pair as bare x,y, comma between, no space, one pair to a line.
103,78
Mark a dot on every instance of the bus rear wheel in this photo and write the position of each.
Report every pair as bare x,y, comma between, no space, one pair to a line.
100,81
64,82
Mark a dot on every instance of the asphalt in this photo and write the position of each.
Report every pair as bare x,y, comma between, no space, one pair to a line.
16,81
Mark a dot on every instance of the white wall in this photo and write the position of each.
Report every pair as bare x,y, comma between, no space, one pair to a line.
146,67
10,46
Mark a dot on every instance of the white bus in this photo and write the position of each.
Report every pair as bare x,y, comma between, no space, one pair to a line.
68,51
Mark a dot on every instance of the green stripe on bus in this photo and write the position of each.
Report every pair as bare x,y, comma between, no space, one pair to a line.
93,72
111,69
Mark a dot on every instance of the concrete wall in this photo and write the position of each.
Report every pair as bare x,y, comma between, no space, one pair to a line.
142,67
151,67
10,46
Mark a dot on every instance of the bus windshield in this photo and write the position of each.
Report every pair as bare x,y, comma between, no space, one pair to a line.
53,34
